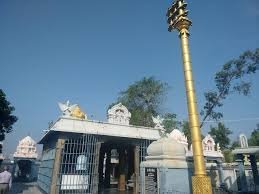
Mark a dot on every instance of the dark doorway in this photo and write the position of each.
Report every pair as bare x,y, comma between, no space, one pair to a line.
116,167
23,170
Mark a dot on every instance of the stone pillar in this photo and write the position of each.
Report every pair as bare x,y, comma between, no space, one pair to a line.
56,166
255,171
122,177
221,173
240,161
136,170
100,170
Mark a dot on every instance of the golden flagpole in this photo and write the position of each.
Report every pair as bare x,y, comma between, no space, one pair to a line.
177,19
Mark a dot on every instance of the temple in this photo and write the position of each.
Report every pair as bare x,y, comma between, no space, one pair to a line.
82,155
25,168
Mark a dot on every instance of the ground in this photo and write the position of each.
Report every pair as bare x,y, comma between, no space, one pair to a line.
24,188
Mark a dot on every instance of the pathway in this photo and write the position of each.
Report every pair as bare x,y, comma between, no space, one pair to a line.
24,188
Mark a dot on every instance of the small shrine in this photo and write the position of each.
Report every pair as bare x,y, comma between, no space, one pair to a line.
26,149
25,168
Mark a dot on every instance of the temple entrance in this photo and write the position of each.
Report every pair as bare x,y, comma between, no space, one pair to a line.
117,167
24,170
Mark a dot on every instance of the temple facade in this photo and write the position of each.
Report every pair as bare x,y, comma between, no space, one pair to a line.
91,156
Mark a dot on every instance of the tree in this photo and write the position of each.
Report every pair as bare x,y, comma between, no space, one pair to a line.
254,139
230,79
6,118
228,156
170,122
187,131
144,99
220,135
235,144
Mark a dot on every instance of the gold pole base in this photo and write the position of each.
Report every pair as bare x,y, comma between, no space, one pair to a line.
201,185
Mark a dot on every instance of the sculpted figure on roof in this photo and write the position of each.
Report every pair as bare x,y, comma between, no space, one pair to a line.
119,114
71,110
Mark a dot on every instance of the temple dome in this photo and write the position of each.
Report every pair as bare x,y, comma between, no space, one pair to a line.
167,148
26,148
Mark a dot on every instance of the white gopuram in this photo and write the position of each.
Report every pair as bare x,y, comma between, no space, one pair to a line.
119,114
26,149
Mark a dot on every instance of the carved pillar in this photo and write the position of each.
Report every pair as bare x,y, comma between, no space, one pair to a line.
254,170
240,161
221,173
136,169
122,178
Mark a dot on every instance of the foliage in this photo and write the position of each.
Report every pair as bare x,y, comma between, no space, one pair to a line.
228,156
235,144
6,118
170,122
254,139
187,131
230,79
144,99
220,135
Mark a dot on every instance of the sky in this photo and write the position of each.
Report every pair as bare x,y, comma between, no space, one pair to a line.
88,51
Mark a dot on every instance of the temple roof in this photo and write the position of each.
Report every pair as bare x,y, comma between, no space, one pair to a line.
64,124
26,148
249,150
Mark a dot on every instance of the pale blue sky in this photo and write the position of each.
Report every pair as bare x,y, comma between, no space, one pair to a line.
88,51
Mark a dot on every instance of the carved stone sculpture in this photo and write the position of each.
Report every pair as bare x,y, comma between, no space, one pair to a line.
119,114
71,110
208,143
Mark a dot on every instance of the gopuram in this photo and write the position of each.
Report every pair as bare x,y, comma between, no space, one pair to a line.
24,160
85,156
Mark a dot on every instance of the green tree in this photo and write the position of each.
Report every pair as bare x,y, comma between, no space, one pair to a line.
6,118
230,79
221,135
228,156
187,131
254,139
144,99
170,122
235,144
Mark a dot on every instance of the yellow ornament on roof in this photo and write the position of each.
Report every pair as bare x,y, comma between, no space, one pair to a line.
77,113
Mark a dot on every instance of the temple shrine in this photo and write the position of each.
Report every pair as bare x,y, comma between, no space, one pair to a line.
82,155
25,156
